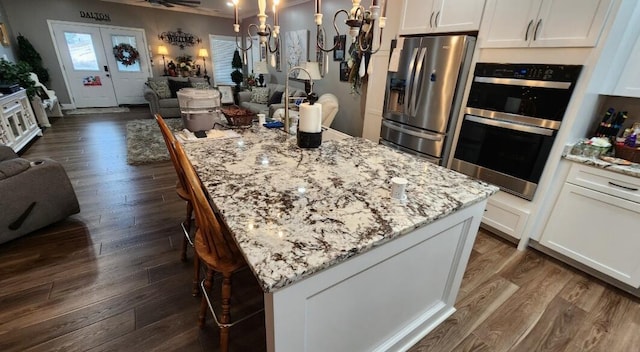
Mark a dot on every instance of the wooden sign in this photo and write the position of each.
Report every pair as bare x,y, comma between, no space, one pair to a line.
98,16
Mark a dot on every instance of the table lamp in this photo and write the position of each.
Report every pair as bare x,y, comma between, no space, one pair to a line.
162,50
261,69
204,54
314,71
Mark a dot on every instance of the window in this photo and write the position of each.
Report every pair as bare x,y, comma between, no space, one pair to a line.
222,48
83,54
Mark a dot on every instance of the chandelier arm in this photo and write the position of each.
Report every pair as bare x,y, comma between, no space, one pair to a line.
276,42
335,27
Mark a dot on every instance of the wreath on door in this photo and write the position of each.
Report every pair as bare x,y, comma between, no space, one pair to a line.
126,54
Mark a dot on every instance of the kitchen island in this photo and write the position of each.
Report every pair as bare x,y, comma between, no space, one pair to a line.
343,266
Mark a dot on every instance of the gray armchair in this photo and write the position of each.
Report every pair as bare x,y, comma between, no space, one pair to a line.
33,194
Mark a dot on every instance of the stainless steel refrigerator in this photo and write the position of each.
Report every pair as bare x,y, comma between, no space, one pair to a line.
425,86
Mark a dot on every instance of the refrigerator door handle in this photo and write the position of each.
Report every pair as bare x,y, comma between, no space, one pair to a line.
429,136
411,79
417,82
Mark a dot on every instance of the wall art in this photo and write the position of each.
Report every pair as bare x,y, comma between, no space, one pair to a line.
296,49
339,41
179,38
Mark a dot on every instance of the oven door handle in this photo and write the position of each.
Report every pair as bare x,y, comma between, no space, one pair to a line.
429,136
415,97
411,79
510,125
523,82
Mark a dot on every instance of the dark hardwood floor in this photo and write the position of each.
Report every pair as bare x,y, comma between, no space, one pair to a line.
110,278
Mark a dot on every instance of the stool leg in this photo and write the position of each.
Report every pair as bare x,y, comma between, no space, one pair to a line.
208,282
195,290
187,228
226,311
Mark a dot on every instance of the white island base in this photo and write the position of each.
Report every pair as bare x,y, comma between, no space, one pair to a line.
385,299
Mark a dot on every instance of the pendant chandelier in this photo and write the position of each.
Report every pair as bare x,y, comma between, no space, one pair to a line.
361,22
264,31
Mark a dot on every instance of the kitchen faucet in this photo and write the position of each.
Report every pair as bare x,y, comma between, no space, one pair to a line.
286,94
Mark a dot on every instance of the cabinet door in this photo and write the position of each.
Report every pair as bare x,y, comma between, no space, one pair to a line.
570,23
629,82
597,230
417,16
457,15
509,23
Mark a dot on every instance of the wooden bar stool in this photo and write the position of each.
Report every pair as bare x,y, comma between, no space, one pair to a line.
216,248
183,193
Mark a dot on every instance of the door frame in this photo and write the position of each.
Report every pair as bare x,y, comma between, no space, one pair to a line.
50,23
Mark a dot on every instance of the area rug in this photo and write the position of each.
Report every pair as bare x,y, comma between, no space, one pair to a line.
145,143
86,111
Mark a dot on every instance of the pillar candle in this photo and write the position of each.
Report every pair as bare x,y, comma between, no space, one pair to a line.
310,118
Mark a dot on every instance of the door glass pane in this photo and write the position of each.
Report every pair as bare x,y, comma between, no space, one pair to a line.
125,39
83,54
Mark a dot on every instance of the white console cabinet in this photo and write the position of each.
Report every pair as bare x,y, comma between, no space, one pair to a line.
18,125
595,221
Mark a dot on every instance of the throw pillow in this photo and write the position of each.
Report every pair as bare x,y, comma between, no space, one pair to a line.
175,86
13,167
161,88
200,85
276,98
260,95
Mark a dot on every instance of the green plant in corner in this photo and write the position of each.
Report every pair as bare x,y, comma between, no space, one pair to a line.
28,54
11,73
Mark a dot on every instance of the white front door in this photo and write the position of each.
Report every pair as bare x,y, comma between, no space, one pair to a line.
93,76
128,80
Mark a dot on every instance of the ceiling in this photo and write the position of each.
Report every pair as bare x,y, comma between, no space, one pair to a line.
217,8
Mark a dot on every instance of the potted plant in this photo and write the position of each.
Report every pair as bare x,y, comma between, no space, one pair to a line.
12,73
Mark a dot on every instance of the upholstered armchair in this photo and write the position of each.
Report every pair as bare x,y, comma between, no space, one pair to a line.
35,193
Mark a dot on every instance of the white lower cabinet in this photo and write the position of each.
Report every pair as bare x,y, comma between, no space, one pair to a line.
596,221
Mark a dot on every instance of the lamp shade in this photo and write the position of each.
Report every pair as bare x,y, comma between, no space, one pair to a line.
314,70
203,53
260,67
162,50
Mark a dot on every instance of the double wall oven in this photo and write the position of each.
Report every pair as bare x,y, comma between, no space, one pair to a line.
512,116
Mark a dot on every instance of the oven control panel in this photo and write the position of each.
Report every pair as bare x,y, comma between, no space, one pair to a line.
536,72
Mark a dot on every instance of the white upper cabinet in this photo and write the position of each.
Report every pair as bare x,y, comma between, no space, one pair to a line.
440,16
629,81
543,23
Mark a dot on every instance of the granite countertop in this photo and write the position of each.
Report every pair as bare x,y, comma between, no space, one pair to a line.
296,211
631,170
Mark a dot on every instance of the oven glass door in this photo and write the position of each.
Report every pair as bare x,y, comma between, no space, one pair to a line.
540,102
515,150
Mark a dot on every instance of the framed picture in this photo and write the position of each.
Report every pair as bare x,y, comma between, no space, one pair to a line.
4,36
297,49
344,71
339,41
226,95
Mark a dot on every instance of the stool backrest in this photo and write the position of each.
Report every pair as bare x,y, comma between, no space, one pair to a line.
222,250
168,137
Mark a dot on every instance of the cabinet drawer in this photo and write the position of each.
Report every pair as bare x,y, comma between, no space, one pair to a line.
504,218
11,106
611,183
